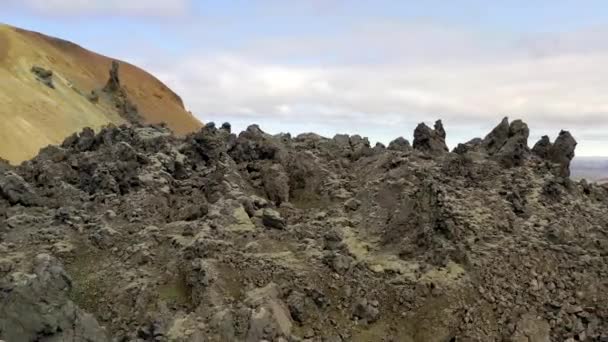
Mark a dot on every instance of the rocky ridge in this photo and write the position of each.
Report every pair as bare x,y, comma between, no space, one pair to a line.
134,234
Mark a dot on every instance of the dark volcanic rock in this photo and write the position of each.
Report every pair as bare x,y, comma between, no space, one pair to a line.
127,108
562,152
400,144
276,183
16,190
35,307
113,84
254,144
496,139
272,219
429,140
515,150
211,237
542,148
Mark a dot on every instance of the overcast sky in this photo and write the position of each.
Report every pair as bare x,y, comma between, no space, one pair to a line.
371,67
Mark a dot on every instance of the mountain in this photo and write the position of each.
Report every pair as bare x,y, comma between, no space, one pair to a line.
46,93
134,234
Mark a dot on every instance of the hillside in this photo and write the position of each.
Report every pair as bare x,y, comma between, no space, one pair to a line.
133,234
35,114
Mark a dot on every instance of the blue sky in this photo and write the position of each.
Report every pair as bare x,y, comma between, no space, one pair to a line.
370,67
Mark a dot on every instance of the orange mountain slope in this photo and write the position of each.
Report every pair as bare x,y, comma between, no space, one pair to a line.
34,114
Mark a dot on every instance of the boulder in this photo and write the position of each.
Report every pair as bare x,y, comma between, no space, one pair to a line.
272,219
35,307
379,147
429,140
254,144
531,329
227,127
16,190
270,318
400,144
276,183
366,311
352,204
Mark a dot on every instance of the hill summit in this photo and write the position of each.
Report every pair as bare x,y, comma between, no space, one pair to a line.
52,88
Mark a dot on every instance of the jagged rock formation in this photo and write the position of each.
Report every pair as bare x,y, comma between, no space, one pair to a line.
113,83
542,147
52,88
430,140
562,152
400,144
497,138
138,235
120,98
515,149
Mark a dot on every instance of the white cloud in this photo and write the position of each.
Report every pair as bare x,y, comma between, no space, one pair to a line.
116,7
471,88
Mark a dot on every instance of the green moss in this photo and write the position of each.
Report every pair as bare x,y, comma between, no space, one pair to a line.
176,291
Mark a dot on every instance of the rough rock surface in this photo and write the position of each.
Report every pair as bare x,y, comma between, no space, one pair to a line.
515,149
497,138
542,148
400,144
138,235
430,140
562,152
123,103
35,306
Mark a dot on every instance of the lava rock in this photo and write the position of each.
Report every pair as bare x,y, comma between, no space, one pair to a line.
16,190
542,148
364,310
562,153
276,183
37,308
496,139
515,150
113,84
429,140
400,144
272,219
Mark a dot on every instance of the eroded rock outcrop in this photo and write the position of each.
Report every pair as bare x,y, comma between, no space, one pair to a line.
497,138
123,103
515,149
429,140
562,152
542,148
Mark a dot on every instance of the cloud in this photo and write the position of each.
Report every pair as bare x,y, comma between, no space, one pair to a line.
99,7
417,74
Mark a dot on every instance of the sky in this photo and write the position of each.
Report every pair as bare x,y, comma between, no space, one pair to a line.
376,68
